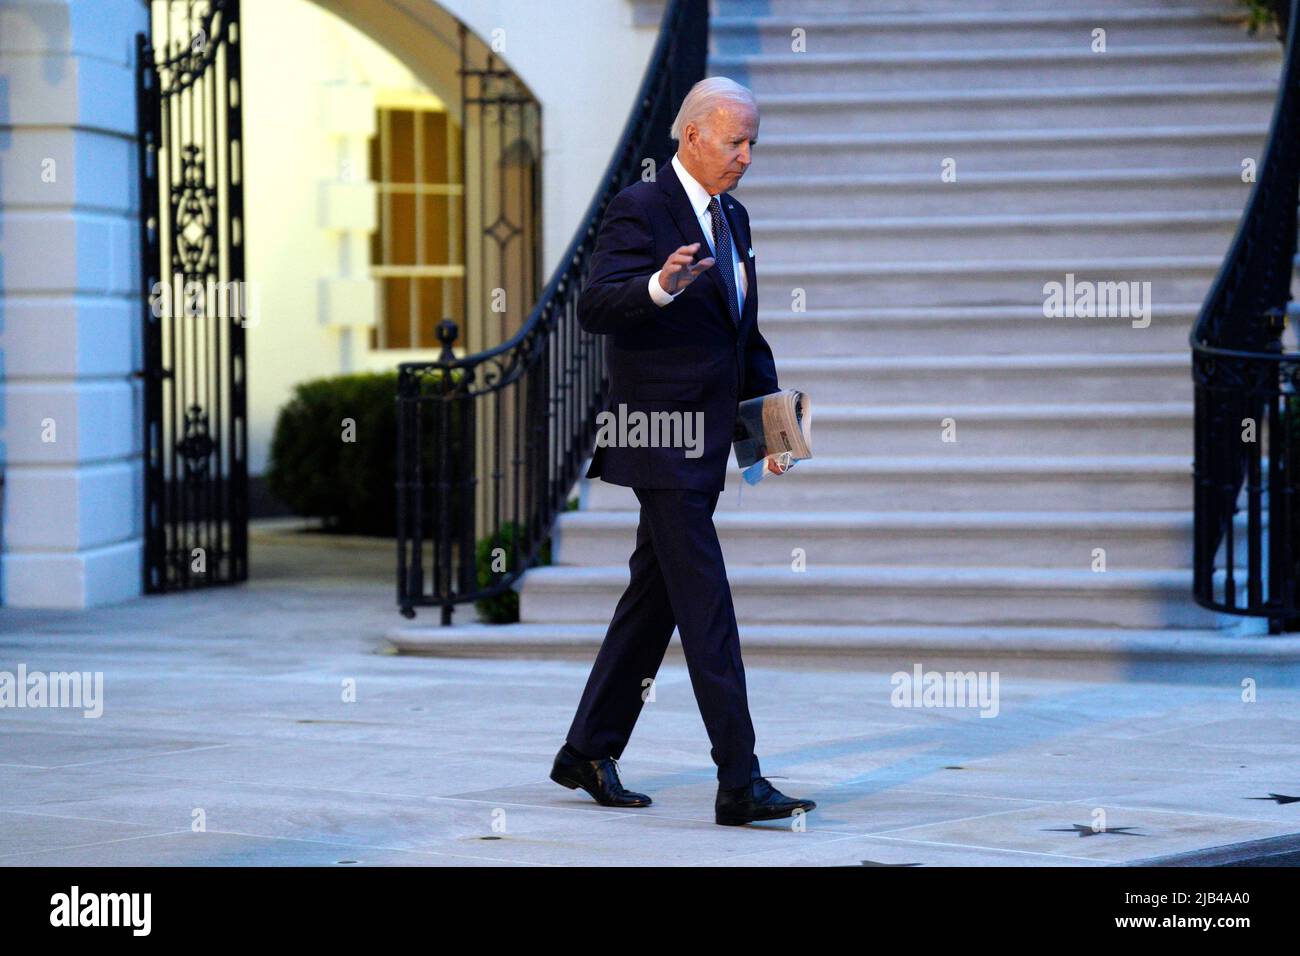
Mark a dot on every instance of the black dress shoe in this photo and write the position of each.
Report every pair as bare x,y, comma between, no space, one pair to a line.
598,777
756,800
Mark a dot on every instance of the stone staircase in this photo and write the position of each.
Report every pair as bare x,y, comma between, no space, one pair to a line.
924,303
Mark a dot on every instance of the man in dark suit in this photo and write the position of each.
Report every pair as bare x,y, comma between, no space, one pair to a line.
680,336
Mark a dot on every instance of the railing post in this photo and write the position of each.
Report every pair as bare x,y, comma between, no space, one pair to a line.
443,448
409,576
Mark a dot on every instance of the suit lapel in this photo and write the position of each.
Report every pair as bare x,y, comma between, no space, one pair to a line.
743,242
688,224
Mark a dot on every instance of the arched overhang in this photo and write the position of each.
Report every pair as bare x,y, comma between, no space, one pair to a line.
423,35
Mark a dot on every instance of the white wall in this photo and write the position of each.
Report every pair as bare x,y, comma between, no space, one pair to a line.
583,60
309,110
69,259
69,312
309,107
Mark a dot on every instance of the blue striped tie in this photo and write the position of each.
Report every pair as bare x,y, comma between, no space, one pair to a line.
722,257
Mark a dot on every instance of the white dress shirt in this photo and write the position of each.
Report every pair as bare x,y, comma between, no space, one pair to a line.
699,198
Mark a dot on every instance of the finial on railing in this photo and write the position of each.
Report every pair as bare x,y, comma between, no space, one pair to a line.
448,330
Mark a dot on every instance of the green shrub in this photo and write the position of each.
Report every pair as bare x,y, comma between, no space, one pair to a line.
1260,14
349,485
504,608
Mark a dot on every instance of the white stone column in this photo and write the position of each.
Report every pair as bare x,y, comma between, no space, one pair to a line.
69,304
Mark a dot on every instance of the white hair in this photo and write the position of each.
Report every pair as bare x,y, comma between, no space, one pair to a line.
706,96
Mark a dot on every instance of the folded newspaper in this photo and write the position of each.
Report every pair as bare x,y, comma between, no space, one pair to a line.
778,424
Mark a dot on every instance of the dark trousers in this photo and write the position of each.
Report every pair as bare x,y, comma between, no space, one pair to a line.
678,579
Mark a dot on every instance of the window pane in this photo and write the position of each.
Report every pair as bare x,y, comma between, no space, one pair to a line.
401,229
401,147
377,237
437,244
435,147
397,312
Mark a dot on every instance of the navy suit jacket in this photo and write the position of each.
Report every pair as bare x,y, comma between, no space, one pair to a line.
686,356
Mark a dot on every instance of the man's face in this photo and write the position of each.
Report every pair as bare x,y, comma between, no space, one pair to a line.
717,152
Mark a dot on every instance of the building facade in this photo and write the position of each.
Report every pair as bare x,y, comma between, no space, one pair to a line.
351,250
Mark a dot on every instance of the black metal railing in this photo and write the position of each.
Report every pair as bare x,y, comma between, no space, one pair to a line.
490,444
1247,405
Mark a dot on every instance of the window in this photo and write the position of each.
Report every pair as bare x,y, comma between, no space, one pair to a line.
416,254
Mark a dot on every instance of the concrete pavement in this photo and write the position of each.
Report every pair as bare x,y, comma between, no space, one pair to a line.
272,724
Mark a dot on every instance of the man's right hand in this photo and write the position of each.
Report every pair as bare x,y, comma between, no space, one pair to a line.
679,272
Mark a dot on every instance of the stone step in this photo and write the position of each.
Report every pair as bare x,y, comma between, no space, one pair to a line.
938,284
962,68
1022,235
931,109
1067,539
1115,167
954,482
862,31
1048,191
1003,330
1049,428
898,595
1157,650
1185,145
973,379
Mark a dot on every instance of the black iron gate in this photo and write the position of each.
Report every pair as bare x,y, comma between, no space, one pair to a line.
197,304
